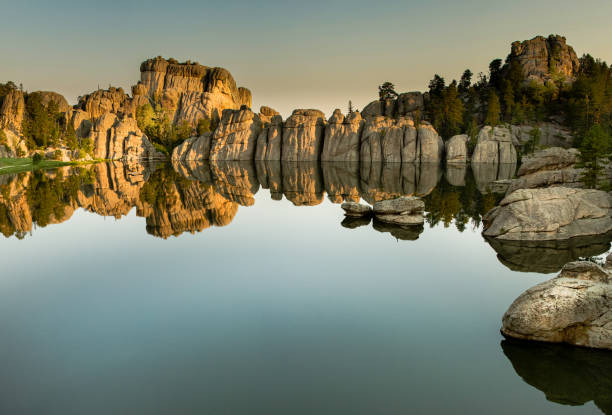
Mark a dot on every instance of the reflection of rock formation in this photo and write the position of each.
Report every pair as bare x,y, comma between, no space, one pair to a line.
405,233
547,256
302,183
341,181
352,222
380,181
486,174
236,181
566,375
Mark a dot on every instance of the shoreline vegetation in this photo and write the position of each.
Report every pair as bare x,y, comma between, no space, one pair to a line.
25,164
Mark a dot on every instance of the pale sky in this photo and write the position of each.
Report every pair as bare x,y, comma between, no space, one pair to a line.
316,54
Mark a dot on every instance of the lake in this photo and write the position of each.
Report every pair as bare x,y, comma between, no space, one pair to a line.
236,288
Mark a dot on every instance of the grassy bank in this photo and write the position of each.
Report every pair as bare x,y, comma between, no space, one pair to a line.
18,165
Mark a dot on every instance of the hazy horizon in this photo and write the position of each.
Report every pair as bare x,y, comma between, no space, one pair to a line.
290,55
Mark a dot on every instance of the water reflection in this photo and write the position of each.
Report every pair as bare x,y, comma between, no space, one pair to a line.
193,196
567,375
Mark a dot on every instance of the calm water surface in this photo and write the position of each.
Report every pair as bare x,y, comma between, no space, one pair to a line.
130,290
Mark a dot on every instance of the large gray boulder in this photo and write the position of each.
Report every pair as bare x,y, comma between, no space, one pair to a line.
553,158
457,149
575,308
342,137
494,146
555,213
406,210
356,209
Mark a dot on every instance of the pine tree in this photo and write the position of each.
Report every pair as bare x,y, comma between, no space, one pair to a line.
493,110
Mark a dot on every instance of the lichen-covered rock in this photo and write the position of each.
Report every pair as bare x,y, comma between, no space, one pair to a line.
194,148
494,146
270,138
356,209
342,137
550,214
236,136
457,149
544,59
302,138
575,308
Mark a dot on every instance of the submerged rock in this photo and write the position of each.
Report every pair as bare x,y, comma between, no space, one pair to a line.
575,308
550,214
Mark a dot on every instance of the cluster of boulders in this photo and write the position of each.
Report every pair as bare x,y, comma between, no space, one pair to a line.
405,210
575,308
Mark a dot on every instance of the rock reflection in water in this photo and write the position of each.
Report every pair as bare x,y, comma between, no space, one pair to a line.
567,375
547,257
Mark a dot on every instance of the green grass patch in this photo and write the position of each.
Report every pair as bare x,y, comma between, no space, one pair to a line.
19,165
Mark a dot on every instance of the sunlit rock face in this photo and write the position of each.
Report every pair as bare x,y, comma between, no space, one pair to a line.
119,138
575,308
12,111
194,148
303,136
270,138
566,375
236,136
545,59
556,213
342,137
406,104
190,91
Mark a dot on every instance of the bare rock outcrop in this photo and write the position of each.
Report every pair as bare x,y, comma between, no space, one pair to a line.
303,135
544,59
190,91
236,136
194,148
494,146
116,138
457,149
112,100
270,138
12,110
356,209
342,137
554,213
406,104
553,166
575,308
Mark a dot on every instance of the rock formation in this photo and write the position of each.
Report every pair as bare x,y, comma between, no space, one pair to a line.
575,308
12,111
117,138
303,135
544,59
406,104
236,136
356,209
342,137
550,214
457,149
494,146
190,91
270,139
194,148
407,210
